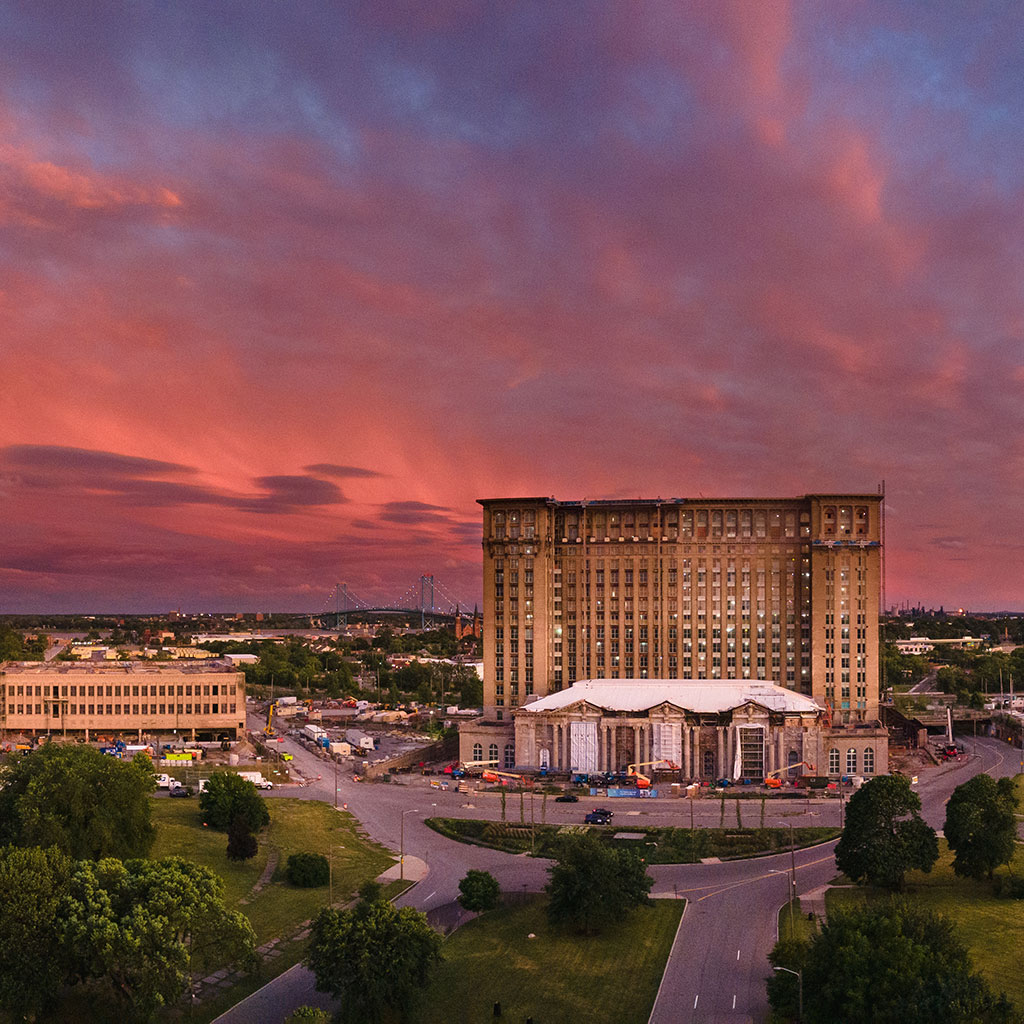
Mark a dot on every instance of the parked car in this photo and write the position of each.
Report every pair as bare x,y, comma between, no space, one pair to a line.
597,818
604,811
567,798
287,757
181,791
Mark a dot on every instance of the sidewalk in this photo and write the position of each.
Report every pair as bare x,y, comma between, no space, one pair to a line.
415,871
813,902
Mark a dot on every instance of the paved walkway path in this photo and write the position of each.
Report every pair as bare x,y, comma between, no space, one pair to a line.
268,873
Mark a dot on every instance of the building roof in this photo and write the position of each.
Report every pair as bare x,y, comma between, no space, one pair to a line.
704,696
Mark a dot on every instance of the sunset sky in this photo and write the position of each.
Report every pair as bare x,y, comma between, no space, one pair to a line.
285,287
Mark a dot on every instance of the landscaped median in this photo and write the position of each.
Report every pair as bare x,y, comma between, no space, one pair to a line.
514,957
657,845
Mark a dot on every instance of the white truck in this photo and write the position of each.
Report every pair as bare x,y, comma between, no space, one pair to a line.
313,732
256,778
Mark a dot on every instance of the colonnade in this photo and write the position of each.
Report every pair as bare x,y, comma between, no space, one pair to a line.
622,742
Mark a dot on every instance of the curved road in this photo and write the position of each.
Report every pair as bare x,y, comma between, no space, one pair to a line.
718,963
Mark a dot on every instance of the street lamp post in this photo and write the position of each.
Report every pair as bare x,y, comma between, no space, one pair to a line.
401,846
800,989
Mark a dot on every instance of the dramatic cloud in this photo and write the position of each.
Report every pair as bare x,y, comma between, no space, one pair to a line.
284,290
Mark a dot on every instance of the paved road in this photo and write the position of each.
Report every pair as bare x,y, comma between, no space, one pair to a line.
925,685
719,961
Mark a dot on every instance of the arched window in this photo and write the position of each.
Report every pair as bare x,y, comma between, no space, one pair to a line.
833,761
492,752
510,755
793,759
478,752
851,761
869,760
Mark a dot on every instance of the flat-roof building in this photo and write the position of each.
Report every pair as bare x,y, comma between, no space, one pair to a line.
139,698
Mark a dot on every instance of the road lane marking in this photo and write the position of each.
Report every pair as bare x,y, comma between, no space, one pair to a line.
434,893
695,998
737,954
756,878
734,1001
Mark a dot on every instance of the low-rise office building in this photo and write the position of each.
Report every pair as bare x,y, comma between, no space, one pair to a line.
122,698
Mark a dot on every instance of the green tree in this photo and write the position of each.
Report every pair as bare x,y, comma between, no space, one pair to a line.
885,836
593,885
374,958
242,843
981,827
33,890
479,891
83,802
892,964
228,796
144,929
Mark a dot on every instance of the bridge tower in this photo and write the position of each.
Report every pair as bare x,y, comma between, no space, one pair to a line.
340,605
426,583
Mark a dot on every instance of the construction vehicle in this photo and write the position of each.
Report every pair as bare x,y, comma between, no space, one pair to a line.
773,781
268,729
472,767
504,778
643,781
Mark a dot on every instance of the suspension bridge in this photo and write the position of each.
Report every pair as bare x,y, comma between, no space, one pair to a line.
427,597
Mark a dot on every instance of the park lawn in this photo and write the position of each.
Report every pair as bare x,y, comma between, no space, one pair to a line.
992,929
296,826
611,978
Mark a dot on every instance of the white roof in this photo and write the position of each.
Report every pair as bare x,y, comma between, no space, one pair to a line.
704,696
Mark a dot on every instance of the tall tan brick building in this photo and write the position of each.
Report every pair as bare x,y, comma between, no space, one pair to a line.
780,589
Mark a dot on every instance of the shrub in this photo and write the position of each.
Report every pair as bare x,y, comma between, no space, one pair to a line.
479,891
308,870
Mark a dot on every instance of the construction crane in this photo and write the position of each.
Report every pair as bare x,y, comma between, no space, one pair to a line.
643,781
268,729
772,780
471,766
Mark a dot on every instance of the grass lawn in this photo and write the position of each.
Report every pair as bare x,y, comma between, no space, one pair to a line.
992,929
605,979
296,826
794,924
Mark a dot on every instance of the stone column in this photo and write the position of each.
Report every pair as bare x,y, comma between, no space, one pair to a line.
719,768
780,746
686,749
697,766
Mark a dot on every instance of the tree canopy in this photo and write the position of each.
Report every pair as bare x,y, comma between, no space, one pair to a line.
83,802
136,930
33,892
980,827
885,836
593,885
892,964
228,796
375,958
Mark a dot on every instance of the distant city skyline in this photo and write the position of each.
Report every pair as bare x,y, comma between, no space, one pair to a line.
284,290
